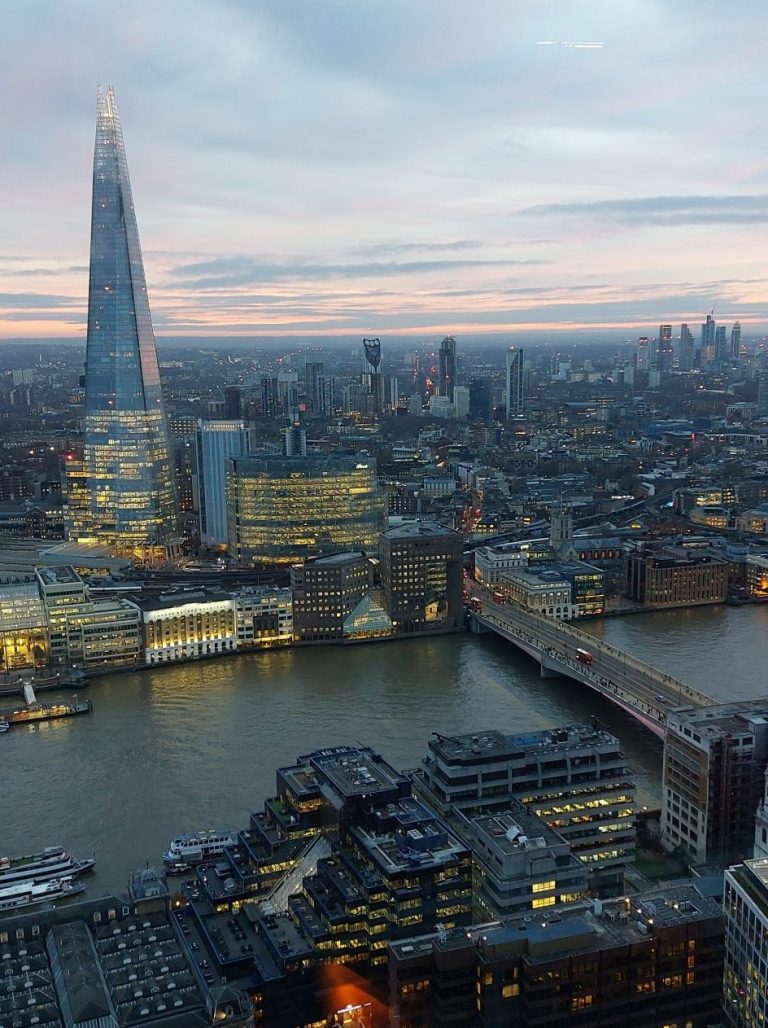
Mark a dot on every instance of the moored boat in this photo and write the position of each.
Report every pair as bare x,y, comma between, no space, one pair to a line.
53,862
32,894
194,847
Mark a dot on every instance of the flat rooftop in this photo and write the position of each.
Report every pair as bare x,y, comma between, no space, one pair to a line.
355,772
62,574
725,717
419,530
514,830
497,744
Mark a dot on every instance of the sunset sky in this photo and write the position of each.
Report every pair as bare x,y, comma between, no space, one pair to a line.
334,167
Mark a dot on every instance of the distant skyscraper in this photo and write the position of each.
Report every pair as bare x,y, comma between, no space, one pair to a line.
642,354
736,342
708,341
664,351
270,406
514,382
124,494
216,440
233,402
762,393
294,441
480,399
372,379
721,346
686,348
312,377
446,368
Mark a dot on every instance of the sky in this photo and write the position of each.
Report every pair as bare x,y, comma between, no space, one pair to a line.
358,167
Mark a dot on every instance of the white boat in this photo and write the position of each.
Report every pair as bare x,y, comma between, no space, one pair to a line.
53,862
197,846
32,894
4,726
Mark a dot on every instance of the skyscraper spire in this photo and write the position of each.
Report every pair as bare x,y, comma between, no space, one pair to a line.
124,494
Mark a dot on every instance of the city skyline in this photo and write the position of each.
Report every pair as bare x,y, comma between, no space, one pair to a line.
392,171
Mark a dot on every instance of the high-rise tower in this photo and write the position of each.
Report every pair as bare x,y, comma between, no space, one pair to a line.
446,368
124,493
515,381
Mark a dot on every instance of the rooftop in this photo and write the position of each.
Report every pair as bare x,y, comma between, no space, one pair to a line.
496,744
419,530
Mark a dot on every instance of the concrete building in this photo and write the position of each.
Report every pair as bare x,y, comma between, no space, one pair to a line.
446,368
521,864
325,592
654,962
543,590
421,573
515,383
284,509
745,979
713,780
575,778
264,617
215,442
186,625
676,577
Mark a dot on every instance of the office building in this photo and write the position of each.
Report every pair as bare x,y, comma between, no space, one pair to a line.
264,617
707,352
676,577
283,509
23,625
182,432
761,410
188,624
87,632
461,402
653,962
664,350
642,355
760,848
446,368
745,978
520,863
215,442
736,342
233,403
540,589
327,393
713,780
325,592
123,491
421,573
493,562
294,441
313,376
480,405
515,383
722,352
757,575
686,348
270,403
576,779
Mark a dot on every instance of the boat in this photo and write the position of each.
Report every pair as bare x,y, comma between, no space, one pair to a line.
195,847
32,894
52,862
4,726
179,868
43,712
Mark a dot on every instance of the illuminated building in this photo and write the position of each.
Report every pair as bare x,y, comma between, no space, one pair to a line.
264,617
446,368
664,350
521,864
576,779
216,440
641,357
655,961
126,477
332,600
745,982
189,624
23,626
87,632
421,572
713,780
281,510
676,577
757,575
515,380
493,562
708,329
736,342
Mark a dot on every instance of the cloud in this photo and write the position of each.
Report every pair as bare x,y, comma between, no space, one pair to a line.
661,210
381,249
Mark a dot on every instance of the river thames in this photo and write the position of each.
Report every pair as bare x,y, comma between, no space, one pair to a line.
196,746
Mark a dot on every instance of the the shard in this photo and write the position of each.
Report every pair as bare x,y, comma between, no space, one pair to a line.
123,493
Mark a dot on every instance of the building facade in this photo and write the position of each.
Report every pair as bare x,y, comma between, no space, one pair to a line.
713,780
123,491
281,510
216,441
187,625
264,617
493,562
421,574
745,979
325,592
446,368
669,578
23,626
515,383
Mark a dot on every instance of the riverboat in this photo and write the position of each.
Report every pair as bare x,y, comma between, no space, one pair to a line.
4,726
32,894
198,846
45,712
52,862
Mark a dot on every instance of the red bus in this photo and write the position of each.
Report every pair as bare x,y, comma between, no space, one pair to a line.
584,656
499,598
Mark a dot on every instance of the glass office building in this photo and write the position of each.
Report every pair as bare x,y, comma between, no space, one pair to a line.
123,493
281,510
216,440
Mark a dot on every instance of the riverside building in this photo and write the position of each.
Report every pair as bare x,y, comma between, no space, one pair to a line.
122,493
281,510
576,779
264,617
325,592
187,625
421,573
216,441
23,625
676,577
745,982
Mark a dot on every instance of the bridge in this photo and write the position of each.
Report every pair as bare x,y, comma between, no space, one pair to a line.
638,688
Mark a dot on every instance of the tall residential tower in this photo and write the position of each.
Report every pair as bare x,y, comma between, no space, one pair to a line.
123,493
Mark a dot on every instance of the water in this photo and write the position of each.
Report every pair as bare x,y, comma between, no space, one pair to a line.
196,746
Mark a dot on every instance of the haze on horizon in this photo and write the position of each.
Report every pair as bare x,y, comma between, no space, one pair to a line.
408,167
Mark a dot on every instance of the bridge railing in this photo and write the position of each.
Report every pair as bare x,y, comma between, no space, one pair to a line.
532,620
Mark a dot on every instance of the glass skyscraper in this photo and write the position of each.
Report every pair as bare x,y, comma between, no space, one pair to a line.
123,493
